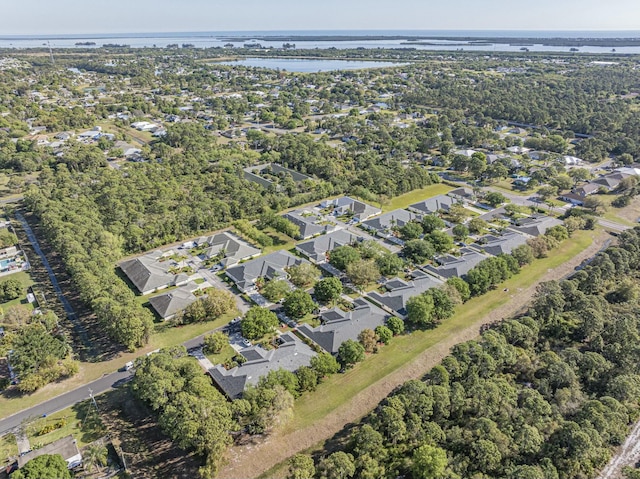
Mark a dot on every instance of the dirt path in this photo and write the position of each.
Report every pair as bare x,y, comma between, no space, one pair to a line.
627,455
253,459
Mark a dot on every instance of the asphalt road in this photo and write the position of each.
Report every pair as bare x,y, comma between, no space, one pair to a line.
65,400
99,386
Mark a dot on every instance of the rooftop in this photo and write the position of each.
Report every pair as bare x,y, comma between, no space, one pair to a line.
339,326
290,355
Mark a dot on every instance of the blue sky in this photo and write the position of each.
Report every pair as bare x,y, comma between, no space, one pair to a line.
123,16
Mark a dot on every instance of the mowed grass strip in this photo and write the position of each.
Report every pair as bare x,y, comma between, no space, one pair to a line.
402,201
340,388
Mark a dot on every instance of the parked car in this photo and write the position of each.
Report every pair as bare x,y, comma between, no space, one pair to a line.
246,342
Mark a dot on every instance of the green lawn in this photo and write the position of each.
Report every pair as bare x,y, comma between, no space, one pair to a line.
280,241
26,281
8,448
223,356
340,388
402,201
81,421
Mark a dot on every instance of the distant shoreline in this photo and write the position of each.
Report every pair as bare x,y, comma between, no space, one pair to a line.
429,40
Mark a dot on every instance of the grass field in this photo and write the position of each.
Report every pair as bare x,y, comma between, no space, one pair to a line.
402,201
26,281
340,388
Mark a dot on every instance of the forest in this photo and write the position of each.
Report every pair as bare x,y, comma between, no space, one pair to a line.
545,395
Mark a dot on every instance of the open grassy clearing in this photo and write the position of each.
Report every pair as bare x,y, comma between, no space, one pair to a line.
165,336
402,201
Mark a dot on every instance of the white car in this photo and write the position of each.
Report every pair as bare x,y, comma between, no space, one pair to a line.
246,342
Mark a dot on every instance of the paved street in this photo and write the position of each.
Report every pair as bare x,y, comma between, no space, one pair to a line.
99,386
65,400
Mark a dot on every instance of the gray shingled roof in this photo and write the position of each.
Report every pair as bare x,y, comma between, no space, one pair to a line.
147,273
307,224
360,210
432,205
339,326
269,266
171,302
317,248
503,244
458,266
399,291
385,222
536,226
290,355
235,249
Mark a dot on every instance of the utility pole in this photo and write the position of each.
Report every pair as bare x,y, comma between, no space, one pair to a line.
53,62
93,399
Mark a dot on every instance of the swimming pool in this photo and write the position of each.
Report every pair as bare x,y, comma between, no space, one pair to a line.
5,264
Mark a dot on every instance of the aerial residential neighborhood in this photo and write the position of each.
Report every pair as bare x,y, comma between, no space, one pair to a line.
319,256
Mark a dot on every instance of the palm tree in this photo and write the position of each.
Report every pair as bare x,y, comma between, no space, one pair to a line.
95,455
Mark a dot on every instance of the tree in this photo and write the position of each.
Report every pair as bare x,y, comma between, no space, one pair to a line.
384,334
523,254
389,264
10,289
328,289
216,303
410,230
460,232
7,238
303,275
47,465
443,306
324,364
539,247
214,342
298,303
594,204
363,272
547,192
477,225
461,286
301,467
396,325
429,462
368,339
562,182
343,256
338,465
431,223
420,311
441,241
418,251
495,199
307,379
258,322
95,456
350,352
275,290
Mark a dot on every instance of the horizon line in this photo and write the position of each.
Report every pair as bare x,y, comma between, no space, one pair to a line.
397,30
